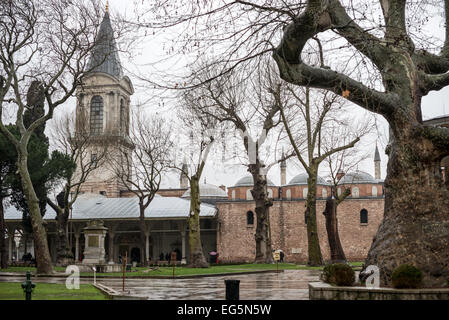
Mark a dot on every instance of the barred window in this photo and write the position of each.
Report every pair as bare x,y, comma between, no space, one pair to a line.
363,216
249,218
96,115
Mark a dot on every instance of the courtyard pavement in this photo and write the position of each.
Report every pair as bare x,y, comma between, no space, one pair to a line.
287,285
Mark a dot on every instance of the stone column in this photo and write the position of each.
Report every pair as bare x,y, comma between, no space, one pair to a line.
111,247
77,247
147,245
183,241
9,247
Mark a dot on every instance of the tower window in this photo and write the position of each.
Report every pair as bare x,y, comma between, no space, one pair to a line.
363,216
304,193
355,192
324,193
249,195
374,191
250,218
122,116
96,115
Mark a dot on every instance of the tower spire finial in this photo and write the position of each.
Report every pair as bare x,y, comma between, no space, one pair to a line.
107,6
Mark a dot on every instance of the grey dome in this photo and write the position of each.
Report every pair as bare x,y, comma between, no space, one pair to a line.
248,181
208,191
357,177
301,179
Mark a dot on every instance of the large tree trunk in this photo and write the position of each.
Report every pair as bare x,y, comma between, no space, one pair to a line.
330,213
3,246
142,227
197,259
42,253
64,255
313,242
263,204
415,228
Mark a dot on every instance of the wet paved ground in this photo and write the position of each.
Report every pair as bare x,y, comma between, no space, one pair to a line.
287,285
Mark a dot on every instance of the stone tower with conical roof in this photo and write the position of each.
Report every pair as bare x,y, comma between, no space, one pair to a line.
377,164
103,110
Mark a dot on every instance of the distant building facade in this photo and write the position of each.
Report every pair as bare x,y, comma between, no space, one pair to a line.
227,217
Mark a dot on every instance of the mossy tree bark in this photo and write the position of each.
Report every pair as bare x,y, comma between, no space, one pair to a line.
263,203
415,227
315,156
3,248
330,213
43,259
197,259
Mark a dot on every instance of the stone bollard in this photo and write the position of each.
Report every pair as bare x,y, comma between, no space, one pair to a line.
232,289
28,286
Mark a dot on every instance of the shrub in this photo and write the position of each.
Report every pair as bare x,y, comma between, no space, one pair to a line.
339,274
406,277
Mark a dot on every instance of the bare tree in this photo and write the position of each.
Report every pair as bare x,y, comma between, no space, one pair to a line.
338,165
397,63
141,171
47,42
317,113
76,146
247,103
202,133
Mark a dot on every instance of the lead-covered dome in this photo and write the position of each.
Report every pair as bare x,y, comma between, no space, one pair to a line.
301,179
248,181
357,177
208,191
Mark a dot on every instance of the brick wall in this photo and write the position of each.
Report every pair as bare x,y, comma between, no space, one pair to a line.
235,239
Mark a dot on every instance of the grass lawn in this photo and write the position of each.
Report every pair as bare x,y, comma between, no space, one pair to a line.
50,291
182,271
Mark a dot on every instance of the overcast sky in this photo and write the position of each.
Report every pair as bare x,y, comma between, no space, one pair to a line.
434,105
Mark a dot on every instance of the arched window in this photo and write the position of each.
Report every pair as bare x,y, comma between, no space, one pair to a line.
96,115
339,191
324,193
363,216
270,193
122,116
374,191
233,194
249,195
304,193
355,193
288,194
250,218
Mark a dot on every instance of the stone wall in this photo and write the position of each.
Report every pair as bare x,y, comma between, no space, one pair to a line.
324,291
235,238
